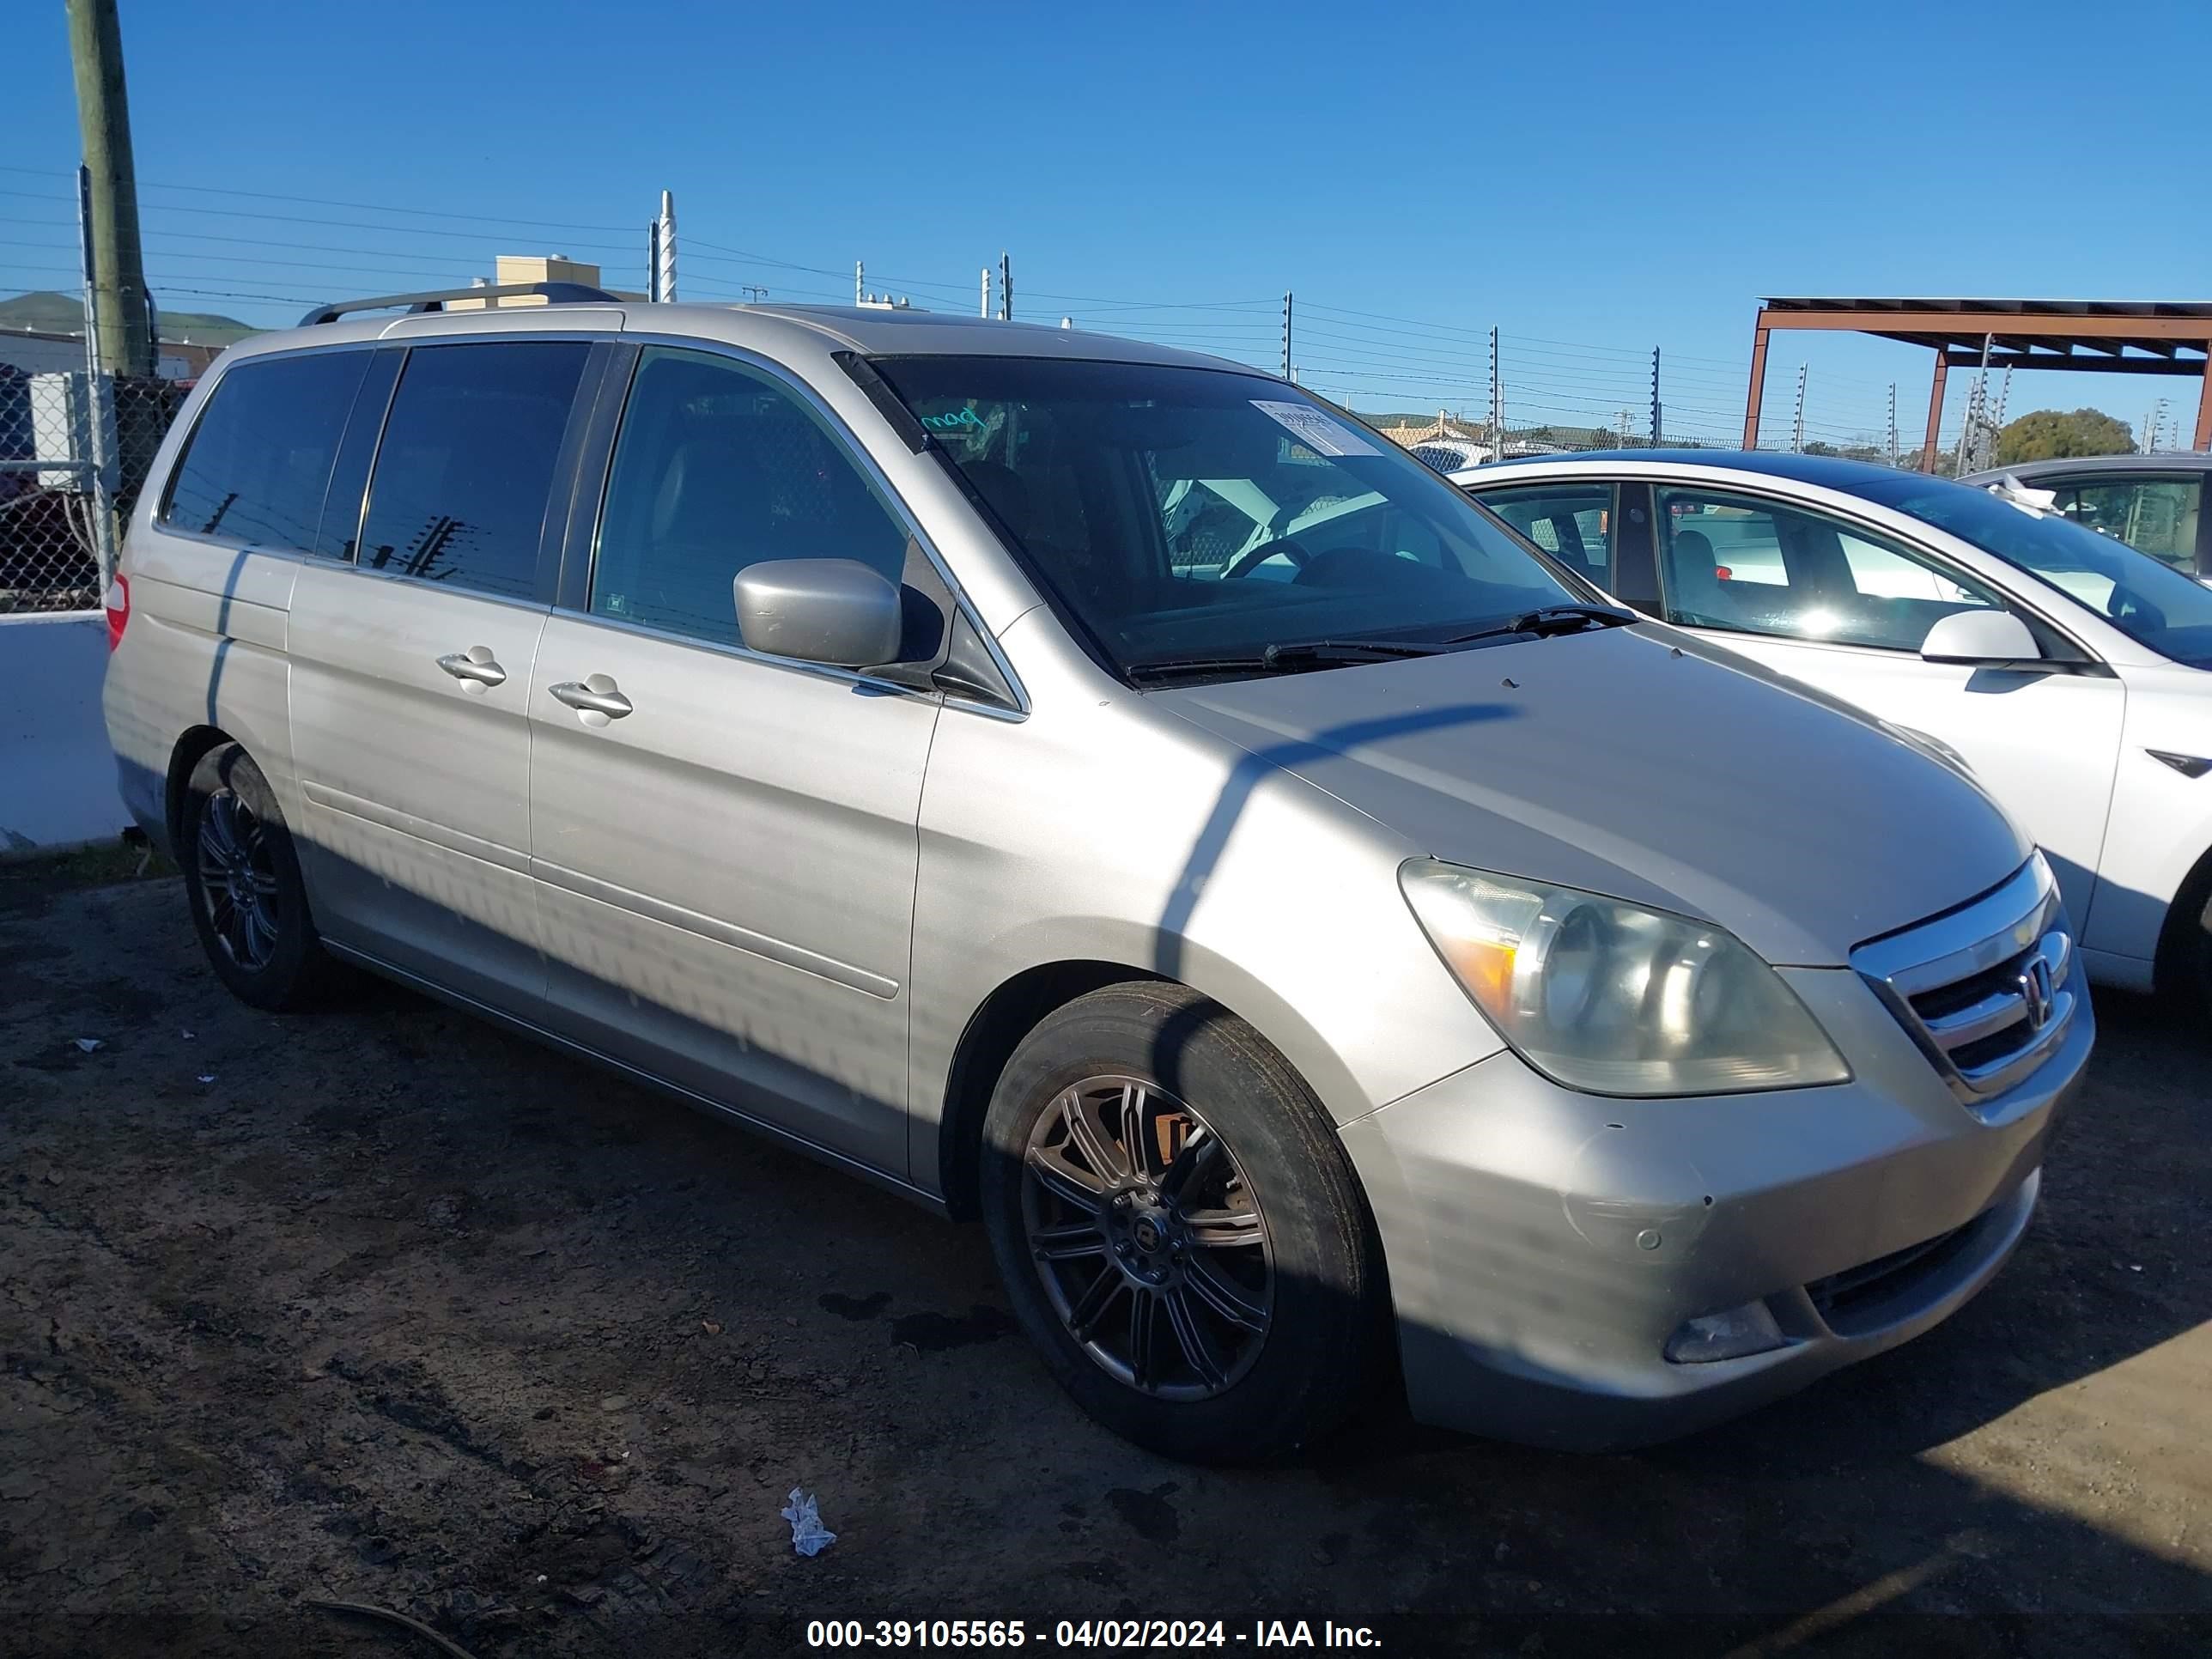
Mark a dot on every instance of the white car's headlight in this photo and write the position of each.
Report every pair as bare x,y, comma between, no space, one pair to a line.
1611,997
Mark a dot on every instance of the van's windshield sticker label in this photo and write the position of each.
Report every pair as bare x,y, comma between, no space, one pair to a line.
955,421
1316,429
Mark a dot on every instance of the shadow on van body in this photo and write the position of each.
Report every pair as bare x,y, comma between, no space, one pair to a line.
1841,1520
1634,1535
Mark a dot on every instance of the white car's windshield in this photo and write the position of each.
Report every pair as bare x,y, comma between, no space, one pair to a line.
1174,515
2151,603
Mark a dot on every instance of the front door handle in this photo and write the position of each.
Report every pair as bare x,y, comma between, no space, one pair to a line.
596,696
475,668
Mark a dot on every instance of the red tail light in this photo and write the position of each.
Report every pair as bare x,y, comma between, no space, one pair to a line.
118,610
1722,572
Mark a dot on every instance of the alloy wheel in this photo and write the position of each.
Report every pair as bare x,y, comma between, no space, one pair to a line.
238,879
1147,1237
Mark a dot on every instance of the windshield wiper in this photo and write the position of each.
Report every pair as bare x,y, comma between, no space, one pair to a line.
1554,619
1289,659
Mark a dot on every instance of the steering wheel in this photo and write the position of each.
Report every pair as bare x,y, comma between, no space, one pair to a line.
1246,564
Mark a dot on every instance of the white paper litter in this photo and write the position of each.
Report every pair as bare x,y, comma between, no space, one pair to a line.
89,1044
2036,503
1316,429
808,1535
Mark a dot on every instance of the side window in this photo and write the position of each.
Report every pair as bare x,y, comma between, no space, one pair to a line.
258,461
1572,522
717,467
2157,516
342,502
466,469
1756,567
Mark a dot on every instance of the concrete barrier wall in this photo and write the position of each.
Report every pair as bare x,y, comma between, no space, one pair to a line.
56,772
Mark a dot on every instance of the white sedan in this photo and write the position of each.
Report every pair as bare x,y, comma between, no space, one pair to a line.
2070,673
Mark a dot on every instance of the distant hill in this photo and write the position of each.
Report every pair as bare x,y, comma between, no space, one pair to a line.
63,314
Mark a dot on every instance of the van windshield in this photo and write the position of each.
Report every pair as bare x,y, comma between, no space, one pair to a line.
2152,603
1173,515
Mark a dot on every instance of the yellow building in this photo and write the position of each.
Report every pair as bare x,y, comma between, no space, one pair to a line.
538,268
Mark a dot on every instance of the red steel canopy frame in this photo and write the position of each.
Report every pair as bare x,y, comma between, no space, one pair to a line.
2121,337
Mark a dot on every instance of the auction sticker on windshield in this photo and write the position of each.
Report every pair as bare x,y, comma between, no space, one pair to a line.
1315,429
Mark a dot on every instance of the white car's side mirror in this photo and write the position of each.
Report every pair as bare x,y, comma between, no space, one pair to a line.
1986,637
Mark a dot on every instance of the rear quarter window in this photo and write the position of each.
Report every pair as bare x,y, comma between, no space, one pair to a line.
257,464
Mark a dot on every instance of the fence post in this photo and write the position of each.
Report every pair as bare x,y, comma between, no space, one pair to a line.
1497,403
97,411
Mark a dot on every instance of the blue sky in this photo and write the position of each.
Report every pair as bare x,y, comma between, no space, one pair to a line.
1592,179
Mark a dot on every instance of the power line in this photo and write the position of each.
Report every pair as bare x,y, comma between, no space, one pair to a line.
362,207
298,218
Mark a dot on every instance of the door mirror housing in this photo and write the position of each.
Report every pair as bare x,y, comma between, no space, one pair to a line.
1984,637
835,611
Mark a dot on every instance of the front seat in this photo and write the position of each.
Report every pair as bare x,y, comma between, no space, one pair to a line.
1694,581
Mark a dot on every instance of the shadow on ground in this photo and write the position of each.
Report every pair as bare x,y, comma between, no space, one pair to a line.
385,1306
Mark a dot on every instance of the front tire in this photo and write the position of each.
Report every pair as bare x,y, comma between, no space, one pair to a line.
2184,978
242,880
1178,1228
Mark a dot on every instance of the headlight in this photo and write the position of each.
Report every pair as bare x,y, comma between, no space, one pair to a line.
1615,998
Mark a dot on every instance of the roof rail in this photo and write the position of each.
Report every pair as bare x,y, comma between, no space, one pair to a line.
554,294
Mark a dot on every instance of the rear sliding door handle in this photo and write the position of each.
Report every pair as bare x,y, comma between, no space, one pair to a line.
475,668
596,696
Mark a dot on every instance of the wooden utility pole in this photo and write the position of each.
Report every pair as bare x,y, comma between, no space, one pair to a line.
119,297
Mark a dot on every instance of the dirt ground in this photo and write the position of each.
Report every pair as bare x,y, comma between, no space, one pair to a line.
384,1306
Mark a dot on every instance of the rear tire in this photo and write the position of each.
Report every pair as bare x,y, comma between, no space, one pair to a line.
1178,1228
242,880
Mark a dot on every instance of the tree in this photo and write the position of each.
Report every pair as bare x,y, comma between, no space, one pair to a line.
2048,434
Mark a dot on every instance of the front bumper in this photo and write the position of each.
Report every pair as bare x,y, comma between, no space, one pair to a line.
1543,1244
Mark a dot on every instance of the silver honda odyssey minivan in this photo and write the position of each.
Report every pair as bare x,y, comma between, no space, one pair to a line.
1108,792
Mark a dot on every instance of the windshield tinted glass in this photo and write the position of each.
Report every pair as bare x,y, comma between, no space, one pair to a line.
1175,513
2152,604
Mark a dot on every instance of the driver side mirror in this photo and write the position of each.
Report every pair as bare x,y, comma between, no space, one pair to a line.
838,612
1985,638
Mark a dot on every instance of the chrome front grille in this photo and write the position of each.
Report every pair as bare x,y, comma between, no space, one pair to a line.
1988,991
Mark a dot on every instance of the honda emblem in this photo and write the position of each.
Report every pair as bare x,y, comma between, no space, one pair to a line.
2036,991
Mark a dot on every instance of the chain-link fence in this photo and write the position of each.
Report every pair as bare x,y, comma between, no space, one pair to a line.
74,450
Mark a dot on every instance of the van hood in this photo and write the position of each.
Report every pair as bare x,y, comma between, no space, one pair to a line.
1640,763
